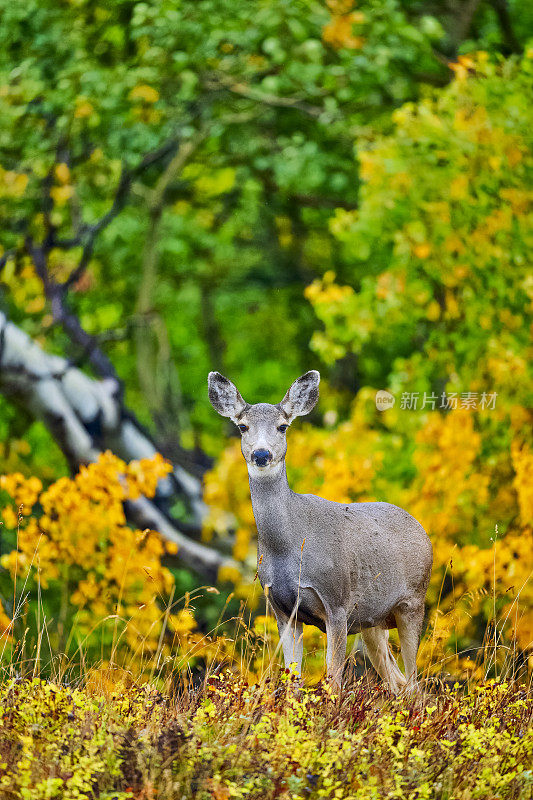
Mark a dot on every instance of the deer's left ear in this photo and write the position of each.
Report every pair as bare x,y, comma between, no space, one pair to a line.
302,396
224,396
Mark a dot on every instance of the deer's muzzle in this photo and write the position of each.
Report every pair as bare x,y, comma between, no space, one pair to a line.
261,457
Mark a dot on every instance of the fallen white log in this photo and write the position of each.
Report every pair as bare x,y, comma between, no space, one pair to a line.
85,416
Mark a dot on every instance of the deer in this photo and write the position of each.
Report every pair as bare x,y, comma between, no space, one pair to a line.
343,567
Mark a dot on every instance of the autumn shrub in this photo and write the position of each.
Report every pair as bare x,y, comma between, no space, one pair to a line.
233,740
79,583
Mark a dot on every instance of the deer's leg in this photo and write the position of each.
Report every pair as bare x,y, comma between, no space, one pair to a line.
337,635
377,646
409,624
291,638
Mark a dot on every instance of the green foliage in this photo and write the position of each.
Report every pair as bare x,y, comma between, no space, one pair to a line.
442,284
434,303
227,160
272,96
232,740
26,445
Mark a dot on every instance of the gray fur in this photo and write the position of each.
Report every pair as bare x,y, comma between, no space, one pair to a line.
302,396
224,396
346,568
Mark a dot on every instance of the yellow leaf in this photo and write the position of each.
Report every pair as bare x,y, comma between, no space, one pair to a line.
60,194
83,109
227,572
35,305
62,173
458,187
14,183
338,33
144,92
9,517
422,250
514,156
433,311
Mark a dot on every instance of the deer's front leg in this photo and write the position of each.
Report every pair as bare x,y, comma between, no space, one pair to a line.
291,638
337,636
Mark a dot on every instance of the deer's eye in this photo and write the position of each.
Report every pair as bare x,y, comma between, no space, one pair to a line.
242,428
282,428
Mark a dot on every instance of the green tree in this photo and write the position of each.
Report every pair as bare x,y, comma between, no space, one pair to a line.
167,179
165,163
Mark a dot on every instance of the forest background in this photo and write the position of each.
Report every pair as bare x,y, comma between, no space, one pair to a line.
261,188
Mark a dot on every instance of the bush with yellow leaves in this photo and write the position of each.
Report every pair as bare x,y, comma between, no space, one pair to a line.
97,584
262,742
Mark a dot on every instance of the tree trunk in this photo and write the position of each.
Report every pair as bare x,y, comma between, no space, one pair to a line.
86,416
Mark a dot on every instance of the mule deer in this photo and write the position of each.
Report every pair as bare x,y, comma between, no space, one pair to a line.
346,568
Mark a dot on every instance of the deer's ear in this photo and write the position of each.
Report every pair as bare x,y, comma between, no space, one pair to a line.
224,396
302,396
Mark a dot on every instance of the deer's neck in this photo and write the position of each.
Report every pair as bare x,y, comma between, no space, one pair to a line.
271,500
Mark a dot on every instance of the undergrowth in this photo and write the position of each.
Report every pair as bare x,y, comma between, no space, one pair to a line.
227,739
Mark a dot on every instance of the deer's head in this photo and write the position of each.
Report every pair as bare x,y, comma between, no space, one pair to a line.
263,426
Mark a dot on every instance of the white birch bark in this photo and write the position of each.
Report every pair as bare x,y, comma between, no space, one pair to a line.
85,417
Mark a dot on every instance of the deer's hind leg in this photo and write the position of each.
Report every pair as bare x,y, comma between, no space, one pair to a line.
377,646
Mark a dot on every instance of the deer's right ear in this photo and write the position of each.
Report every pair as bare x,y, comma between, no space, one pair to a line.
302,397
224,396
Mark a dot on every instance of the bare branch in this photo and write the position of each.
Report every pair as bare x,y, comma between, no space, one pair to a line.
67,319
124,185
244,90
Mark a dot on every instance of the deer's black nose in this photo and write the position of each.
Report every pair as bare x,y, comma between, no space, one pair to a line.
261,457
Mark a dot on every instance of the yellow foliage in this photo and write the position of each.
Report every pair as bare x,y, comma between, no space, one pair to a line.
448,480
83,109
433,311
422,250
144,92
24,285
61,194
339,31
12,184
62,173
23,491
462,67
107,569
523,467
